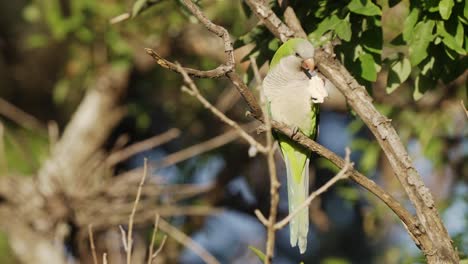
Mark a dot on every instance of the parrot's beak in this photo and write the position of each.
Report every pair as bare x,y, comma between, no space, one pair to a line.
308,65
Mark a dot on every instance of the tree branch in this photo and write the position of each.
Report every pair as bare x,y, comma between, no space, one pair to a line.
185,240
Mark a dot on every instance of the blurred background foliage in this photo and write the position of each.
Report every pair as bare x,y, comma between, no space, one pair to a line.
410,54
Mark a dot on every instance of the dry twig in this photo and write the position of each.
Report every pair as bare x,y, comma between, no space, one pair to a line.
185,240
91,243
219,31
193,91
141,146
151,255
274,183
19,116
132,215
196,149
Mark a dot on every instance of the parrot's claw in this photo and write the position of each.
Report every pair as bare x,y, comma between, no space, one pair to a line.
295,130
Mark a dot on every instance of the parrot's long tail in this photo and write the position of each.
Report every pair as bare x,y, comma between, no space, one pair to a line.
297,167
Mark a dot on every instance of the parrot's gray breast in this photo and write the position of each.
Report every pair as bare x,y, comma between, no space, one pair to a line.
286,89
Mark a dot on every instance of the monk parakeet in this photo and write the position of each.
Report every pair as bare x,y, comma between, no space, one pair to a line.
293,91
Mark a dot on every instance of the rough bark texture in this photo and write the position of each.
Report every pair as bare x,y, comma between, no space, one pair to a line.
439,249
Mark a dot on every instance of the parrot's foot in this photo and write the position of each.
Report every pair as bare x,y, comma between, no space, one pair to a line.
295,130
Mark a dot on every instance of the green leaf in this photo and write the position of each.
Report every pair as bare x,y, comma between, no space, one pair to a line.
409,24
427,65
453,42
445,8
364,7
421,85
343,29
372,39
368,68
258,252
431,5
465,9
422,37
327,24
398,73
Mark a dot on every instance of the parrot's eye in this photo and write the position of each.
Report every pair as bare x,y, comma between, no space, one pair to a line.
297,54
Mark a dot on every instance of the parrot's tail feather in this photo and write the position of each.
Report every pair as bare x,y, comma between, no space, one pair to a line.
298,191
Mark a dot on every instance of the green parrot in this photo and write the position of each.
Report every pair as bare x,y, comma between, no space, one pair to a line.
293,91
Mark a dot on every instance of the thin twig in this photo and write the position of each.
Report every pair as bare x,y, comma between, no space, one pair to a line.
151,255
132,215
261,217
104,258
19,116
91,243
193,91
464,108
123,236
3,160
342,174
196,149
274,183
219,31
185,240
119,18
141,146
161,245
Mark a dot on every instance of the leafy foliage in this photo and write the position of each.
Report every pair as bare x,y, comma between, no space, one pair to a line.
431,44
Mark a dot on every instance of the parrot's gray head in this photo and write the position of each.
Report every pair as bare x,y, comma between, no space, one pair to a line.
305,52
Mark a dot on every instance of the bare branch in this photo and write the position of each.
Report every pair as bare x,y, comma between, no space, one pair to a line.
91,243
123,236
354,175
219,31
342,174
3,160
185,240
419,195
141,146
156,253
464,108
19,116
151,255
271,21
196,149
193,91
261,217
132,215
221,70
104,258
119,18
274,183
291,19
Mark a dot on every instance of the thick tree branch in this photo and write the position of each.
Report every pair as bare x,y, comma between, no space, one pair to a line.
84,135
